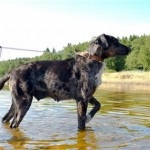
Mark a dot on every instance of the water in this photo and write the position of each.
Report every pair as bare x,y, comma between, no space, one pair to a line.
122,123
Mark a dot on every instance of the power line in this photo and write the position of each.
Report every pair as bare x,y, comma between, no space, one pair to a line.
19,49
23,49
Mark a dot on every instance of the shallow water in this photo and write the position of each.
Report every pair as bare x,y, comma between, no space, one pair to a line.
122,123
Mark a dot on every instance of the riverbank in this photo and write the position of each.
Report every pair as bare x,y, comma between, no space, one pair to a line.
126,80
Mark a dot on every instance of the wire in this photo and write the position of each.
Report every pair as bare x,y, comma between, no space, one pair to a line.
22,49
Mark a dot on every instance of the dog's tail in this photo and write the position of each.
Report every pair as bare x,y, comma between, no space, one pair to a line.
3,80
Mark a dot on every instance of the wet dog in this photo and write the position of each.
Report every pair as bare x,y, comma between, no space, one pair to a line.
75,78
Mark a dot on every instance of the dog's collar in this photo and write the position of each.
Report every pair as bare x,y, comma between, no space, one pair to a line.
90,56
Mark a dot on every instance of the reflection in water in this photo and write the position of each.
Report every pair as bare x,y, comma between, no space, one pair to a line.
82,140
87,138
122,123
18,139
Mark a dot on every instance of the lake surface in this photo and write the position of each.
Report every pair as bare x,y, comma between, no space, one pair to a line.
122,123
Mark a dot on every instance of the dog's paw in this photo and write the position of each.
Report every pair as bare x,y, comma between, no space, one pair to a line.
88,118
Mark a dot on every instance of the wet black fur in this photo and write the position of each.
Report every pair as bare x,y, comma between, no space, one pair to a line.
73,78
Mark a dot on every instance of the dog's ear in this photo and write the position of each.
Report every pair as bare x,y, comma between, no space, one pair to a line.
104,41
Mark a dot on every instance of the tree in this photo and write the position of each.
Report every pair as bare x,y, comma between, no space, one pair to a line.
139,57
47,50
116,63
54,50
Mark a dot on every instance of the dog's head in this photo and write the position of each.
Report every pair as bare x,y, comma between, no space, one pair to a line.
105,46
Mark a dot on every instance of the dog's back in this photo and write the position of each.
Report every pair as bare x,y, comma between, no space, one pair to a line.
60,80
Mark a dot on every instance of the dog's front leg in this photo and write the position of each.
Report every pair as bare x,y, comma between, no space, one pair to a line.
96,107
81,111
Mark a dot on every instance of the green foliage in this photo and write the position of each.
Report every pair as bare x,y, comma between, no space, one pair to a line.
116,63
138,59
6,66
70,50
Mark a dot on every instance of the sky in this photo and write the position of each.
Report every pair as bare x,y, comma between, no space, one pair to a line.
38,24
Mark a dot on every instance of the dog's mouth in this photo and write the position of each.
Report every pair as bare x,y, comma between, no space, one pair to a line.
125,51
122,51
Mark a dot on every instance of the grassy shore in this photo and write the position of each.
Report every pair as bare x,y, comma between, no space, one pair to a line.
128,76
126,80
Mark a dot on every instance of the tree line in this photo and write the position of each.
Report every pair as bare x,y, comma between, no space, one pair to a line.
138,59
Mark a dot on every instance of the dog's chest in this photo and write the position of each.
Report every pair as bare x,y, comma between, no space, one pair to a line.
98,79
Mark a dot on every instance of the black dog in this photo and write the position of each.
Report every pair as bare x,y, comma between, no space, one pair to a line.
75,78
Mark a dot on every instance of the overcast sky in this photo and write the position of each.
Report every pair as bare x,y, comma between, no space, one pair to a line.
38,24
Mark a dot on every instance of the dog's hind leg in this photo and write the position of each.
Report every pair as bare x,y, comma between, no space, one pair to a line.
9,114
96,107
81,111
21,108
